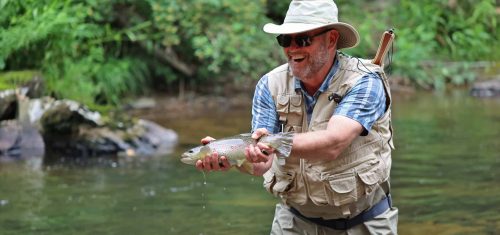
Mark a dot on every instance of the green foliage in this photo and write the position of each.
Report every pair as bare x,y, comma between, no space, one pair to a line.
79,56
97,52
431,31
219,37
11,80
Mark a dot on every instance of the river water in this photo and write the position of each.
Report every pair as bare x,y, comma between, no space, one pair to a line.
445,177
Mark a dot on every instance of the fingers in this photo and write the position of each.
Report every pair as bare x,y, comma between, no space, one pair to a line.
213,163
265,149
254,154
224,163
259,132
207,140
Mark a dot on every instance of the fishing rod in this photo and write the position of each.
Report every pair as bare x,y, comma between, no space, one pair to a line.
383,48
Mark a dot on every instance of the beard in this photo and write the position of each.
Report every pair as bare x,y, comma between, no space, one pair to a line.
306,70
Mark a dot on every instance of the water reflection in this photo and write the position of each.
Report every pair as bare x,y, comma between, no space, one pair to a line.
445,180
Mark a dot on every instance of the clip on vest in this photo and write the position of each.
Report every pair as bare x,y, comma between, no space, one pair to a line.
282,125
335,97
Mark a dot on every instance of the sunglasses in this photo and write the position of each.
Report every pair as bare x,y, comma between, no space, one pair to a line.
285,40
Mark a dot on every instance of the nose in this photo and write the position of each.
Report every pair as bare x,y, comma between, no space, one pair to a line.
293,47
293,44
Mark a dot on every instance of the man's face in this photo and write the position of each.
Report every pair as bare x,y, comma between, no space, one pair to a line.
307,61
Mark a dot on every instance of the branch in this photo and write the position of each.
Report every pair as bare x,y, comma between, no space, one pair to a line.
169,56
166,55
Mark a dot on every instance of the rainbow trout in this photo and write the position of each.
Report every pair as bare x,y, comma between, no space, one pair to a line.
234,148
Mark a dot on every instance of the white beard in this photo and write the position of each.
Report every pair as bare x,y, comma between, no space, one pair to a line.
314,66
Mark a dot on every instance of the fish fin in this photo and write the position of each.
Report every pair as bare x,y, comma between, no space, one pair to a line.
248,167
286,143
246,135
240,162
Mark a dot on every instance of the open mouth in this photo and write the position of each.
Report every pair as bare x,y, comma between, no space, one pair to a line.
187,160
297,58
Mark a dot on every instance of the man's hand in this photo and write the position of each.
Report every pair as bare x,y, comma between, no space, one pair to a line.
212,162
207,140
260,152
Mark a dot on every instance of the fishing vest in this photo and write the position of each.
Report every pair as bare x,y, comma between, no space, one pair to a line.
356,179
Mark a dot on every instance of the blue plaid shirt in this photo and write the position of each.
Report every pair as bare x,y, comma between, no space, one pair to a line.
364,103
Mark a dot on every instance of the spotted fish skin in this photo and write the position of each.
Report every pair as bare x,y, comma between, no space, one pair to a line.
234,147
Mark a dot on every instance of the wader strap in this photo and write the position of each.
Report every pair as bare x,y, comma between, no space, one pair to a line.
345,224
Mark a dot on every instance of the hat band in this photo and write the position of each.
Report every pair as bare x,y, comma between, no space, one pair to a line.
305,19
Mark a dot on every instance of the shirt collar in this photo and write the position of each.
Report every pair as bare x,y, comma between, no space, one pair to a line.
326,81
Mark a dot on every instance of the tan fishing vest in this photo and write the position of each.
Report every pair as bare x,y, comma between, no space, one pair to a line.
340,188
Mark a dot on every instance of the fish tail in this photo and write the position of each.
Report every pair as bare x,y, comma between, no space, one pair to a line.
285,143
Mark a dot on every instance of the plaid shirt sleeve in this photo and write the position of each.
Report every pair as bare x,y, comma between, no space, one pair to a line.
264,113
365,102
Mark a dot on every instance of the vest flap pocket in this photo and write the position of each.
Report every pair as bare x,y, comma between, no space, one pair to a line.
296,100
282,99
369,177
283,182
282,103
296,104
343,185
343,189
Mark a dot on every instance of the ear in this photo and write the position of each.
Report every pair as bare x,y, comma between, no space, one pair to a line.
334,37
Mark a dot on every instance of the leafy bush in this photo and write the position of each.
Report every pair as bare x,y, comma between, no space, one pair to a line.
79,55
100,51
429,34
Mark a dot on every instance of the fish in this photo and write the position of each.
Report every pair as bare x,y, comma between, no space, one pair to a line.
234,148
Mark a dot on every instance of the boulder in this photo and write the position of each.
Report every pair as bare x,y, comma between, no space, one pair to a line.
485,89
70,129
19,141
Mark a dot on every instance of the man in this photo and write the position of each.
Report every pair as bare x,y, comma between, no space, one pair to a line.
336,179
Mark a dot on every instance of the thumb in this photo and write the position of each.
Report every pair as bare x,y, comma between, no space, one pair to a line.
259,132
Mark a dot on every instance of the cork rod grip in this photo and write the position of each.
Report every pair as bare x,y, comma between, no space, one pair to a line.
383,47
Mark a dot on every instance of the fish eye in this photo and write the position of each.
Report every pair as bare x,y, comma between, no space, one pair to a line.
190,151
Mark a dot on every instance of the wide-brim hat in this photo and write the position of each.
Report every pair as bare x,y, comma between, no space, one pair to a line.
306,15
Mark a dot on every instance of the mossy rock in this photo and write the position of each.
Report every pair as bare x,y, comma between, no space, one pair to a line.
31,79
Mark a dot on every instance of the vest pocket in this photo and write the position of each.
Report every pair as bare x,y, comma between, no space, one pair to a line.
296,104
341,189
279,183
282,103
371,179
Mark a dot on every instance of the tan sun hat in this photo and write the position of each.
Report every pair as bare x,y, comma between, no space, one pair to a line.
306,15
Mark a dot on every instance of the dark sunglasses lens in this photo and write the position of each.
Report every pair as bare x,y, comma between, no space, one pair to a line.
303,41
284,40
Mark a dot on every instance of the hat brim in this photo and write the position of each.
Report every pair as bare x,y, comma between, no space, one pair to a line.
348,38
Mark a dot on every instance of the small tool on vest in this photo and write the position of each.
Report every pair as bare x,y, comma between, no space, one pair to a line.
281,125
335,97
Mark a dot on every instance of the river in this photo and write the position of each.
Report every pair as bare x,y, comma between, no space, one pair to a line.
445,179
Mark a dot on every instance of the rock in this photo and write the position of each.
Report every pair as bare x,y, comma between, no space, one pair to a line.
159,139
8,103
144,138
19,141
490,88
67,128
72,129
62,116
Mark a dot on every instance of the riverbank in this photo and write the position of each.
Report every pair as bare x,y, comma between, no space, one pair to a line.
193,104
172,107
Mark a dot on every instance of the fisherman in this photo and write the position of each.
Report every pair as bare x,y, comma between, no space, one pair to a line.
336,178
